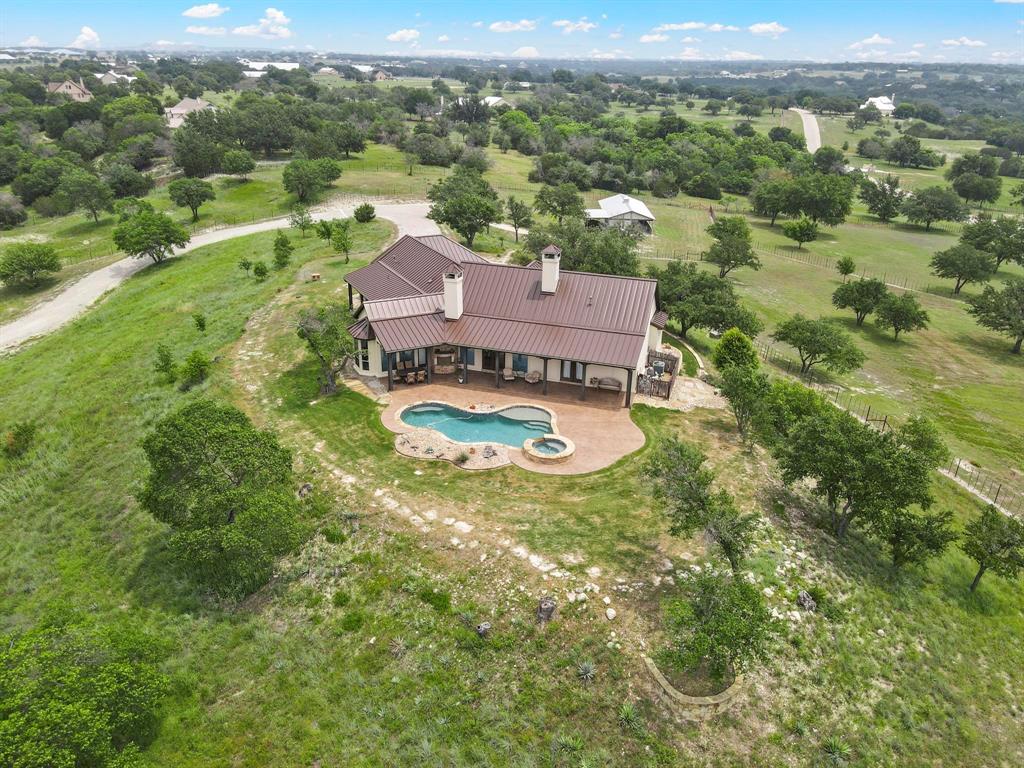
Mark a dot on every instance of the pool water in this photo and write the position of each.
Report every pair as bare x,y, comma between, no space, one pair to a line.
549,447
509,426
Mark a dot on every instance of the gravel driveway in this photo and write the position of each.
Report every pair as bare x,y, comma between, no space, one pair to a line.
811,133
410,218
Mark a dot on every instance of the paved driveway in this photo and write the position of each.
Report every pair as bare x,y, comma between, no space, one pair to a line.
811,133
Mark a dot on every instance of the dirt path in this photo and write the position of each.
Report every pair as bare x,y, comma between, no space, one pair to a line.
48,316
812,135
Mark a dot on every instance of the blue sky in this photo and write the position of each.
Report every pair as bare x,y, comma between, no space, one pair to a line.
827,30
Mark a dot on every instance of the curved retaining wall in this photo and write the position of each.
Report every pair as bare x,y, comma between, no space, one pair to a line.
693,707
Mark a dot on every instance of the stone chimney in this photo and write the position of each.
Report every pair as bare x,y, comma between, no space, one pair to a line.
453,295
549,259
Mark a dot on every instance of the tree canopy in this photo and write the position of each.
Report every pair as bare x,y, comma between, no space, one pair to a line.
819,342
150,234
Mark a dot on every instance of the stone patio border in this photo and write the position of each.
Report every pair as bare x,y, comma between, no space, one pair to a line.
693,707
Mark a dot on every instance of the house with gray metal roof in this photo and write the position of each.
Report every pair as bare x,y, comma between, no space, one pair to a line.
429,307
621,211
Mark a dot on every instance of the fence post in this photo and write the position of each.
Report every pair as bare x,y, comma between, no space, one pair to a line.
996,499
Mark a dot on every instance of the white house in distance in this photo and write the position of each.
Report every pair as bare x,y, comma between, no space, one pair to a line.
884,104
176,115
113,78
621,211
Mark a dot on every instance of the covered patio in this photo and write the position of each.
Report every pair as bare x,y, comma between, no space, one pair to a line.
507,371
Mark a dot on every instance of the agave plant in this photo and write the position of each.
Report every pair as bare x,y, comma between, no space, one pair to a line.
629,717
397,647
837,752
586,672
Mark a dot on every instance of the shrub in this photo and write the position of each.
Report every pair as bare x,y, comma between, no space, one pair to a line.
245,264
334,535
18,439
164,364
12,212
26,264
282,250
200,321
352,621
436,599
341,599
462,458
364,213
195,369
630,718
50,207
259,269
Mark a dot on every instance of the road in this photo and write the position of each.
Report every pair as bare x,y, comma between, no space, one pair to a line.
811,133
409,218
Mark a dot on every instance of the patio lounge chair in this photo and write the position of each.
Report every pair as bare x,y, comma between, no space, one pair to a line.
421,376
507,374
533,377
410,377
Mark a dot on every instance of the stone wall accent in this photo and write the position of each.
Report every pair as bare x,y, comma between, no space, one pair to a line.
693,707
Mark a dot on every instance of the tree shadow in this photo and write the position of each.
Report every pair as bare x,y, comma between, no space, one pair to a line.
159,580
10,292
85,227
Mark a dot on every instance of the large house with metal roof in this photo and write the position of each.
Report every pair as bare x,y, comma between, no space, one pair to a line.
429,307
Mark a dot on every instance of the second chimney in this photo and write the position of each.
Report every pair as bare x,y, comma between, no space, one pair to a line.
549,259
453,295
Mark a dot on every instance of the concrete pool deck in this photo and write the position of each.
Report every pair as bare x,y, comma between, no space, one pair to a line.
602,435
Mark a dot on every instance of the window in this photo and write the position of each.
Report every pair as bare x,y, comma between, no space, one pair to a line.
572,371
519,363
363,354
470,354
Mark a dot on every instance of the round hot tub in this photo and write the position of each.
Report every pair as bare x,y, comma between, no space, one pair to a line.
549,449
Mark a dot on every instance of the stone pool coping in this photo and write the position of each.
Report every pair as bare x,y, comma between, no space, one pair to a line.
602,435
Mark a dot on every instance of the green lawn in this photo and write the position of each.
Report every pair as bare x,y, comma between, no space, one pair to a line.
291,678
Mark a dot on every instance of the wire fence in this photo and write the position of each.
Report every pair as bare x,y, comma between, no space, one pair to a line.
989,487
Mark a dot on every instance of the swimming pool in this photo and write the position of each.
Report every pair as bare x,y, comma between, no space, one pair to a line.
510,426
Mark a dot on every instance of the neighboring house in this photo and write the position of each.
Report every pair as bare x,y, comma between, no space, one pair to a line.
286,66
176,115
113,78
428,303
74,91
363,68
621,211
253,73
883,103
327,71
377,75
493,101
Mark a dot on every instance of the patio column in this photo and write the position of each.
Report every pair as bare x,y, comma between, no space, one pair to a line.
350,296
465,366
430,366
391,384
497,371
545,359
583,383
629,387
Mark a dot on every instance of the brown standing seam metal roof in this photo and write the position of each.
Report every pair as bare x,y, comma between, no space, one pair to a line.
591,318
412,265
361,330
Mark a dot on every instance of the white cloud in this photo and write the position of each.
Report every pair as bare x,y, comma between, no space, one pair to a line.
965,41
616,35
919,45
1007,56
477,24
87,38
875,39
687,25
654,37
31,41
617,53
741,56
768,28
443,39
273,26
208,11
202,30
1010,2
907,55
404,35
568,27
877,54
680,27
164,43
523,25
526,52
688,54
691,39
